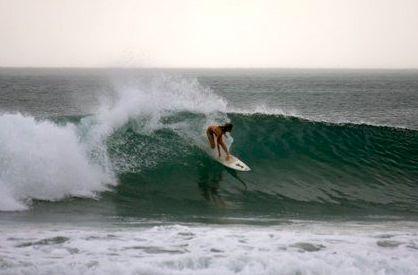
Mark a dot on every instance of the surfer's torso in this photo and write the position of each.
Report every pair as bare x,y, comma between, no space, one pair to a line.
215,130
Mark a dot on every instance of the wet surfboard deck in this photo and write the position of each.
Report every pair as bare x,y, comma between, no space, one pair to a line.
233,163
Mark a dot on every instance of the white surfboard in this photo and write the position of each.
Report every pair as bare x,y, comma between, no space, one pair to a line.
233,162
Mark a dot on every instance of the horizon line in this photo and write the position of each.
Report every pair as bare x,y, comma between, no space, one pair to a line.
211,68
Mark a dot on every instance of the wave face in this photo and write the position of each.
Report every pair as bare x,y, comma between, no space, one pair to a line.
149,143
298,166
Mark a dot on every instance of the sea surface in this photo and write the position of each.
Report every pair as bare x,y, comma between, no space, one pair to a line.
107,171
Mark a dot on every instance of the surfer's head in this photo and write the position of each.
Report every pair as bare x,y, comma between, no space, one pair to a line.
227,127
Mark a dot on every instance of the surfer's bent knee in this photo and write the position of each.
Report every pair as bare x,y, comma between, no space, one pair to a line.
210,138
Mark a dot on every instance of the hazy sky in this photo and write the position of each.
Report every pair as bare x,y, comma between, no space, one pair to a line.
212,33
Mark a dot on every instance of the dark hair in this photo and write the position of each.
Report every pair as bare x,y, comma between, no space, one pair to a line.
227,127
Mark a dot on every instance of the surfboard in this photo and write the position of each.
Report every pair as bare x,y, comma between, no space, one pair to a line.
233,163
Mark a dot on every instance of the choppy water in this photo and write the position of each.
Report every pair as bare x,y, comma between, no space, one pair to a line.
98,166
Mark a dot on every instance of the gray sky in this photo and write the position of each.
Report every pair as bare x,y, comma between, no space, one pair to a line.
212,33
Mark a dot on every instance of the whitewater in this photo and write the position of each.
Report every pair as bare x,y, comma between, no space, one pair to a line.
44,160
293,248
106,171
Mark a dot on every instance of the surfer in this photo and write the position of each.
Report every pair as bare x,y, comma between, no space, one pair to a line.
218,131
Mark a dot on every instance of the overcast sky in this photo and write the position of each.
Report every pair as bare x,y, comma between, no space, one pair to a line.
212,33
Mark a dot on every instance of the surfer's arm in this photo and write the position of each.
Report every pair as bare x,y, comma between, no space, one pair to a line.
221,142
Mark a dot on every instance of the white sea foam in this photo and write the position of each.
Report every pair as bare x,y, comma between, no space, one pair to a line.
295,248
41,160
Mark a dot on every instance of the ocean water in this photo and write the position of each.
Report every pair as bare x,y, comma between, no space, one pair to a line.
107,171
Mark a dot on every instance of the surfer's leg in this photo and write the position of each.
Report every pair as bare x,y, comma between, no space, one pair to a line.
210,138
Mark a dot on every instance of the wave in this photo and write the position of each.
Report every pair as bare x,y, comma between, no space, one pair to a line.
148,142
298,166
53,159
